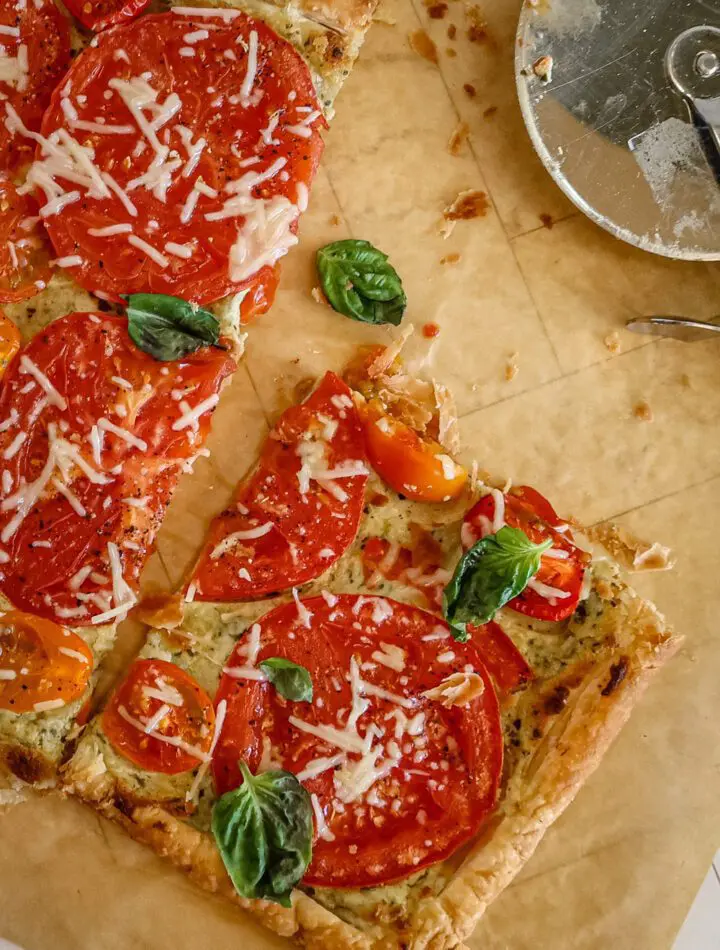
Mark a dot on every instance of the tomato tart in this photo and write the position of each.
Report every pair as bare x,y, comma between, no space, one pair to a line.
381,682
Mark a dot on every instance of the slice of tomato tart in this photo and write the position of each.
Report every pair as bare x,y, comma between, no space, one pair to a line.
176,157
298,510
94,434
365,707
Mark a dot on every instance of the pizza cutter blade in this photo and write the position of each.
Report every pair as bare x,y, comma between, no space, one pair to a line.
677,328
622,102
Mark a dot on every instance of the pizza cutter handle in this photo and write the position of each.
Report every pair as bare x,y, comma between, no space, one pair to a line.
692,63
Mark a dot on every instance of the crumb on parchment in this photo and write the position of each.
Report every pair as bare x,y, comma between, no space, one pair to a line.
471,203
319,297
450,258
458,138
335,220
437,11
421,44
451,31
512,367
643,411
612,342
469,90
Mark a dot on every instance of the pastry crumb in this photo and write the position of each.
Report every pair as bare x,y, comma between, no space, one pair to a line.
489,112
318,296
450,52
612,342
477,29
450,258
685,381
458,138
446,228
335,220
452,31
657,557
547,221
512,367
437,11
543,68
469,90
643,411
421,44
471,203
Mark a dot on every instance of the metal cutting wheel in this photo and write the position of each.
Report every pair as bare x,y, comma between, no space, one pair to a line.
622,102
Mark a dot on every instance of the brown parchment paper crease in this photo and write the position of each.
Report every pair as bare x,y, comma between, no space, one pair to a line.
621,866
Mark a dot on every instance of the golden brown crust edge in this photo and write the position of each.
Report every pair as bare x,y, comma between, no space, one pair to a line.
26,763
194,852
579,740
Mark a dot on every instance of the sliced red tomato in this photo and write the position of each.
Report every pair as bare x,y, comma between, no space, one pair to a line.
555,590
261,294
504,662
24,250
208,128
288,524
93,437
36,53
100,14
42,665
413,467
160,718
437,768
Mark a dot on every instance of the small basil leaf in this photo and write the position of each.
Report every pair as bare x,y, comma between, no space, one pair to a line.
360,283
264,831
289,679
494,570
169,328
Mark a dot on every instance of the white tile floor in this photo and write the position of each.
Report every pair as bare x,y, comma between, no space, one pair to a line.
701,930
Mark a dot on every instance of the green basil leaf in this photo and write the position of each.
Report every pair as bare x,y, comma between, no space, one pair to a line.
360,283
289,679
491,573
169,328
264,831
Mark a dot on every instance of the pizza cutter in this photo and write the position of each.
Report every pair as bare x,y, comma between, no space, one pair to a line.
622,102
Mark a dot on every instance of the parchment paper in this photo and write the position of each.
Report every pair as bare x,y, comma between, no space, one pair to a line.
621,867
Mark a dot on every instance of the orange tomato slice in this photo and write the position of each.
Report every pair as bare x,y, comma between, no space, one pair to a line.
9,341
416,468
42,665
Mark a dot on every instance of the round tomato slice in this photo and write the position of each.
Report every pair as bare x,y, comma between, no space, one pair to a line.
94,434
554,592
43,666
413,467
36,54
300,508
401,779
160,718
100,14
24,251
203,135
